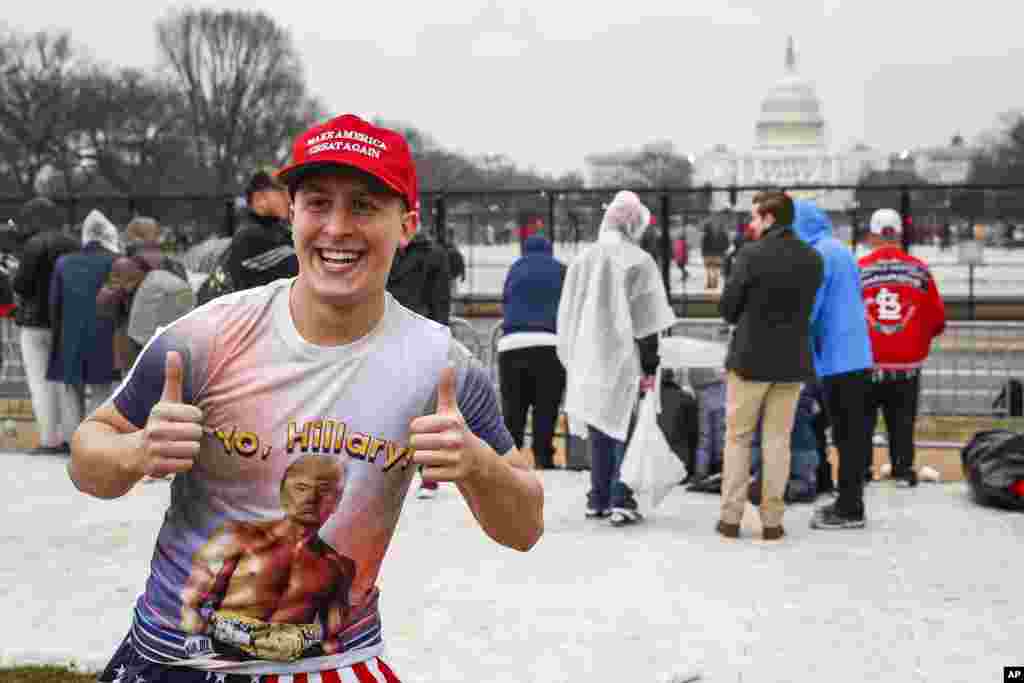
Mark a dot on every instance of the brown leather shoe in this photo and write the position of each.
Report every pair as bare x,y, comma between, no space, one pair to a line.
773,533
728,530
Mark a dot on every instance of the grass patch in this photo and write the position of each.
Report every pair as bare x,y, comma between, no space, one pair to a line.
44,674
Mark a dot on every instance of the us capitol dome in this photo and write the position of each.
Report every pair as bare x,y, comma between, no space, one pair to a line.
791,148
791,112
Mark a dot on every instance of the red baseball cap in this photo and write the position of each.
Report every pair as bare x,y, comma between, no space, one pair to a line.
350,141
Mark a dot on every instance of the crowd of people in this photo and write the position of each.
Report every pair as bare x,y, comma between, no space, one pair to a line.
294,397
84,307
820,343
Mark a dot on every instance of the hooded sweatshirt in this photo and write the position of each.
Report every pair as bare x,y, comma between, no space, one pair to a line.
839,329
419,279
532,290
97,228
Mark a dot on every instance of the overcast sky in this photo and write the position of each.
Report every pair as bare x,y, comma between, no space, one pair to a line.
549,81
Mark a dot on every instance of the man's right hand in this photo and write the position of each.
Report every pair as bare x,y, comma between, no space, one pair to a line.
174,430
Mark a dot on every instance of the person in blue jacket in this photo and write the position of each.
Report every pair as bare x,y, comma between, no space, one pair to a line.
843,362
530,373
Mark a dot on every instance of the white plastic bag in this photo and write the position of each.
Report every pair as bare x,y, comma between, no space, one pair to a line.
650,466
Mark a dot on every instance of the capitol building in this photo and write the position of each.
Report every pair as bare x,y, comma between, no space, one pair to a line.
791,148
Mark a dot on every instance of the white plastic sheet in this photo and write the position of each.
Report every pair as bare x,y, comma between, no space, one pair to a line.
650,467
687,352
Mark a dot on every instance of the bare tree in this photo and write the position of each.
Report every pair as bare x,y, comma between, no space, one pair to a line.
242,80
655,165
135,133
441,169
38,90
1000,160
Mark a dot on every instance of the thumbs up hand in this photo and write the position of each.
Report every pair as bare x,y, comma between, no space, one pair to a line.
174,430
444,445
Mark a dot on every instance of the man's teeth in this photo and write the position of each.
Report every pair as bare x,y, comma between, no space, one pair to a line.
340,256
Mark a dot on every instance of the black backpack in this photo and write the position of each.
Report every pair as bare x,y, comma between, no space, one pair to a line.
993,463
218,283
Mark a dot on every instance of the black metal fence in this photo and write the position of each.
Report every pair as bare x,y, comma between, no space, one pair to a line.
941,223
488,226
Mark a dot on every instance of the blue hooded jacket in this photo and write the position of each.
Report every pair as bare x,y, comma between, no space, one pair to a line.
533,288
839,328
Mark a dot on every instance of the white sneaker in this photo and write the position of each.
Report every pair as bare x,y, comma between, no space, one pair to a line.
624,517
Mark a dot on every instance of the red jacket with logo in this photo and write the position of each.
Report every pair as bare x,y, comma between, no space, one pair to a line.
904,309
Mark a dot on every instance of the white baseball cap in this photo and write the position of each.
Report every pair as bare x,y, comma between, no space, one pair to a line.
886,222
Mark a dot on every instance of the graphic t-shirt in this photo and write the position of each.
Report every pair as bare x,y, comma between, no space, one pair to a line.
268,556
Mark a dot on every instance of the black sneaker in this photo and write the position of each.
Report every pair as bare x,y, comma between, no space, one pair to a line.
829,517
907,479
597,514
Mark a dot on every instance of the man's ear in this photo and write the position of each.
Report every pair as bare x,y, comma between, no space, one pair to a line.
410,224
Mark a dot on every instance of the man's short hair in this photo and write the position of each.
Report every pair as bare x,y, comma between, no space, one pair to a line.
778,204
38,213
262,180
374,184
143,229
337,463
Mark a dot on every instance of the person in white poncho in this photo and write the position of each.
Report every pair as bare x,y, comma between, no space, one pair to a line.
612,308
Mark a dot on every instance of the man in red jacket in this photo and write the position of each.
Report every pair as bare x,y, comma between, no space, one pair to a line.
905,312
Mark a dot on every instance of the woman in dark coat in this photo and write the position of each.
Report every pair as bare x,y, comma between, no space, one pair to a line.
83,348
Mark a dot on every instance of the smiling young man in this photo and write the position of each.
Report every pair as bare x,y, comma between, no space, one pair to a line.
325,365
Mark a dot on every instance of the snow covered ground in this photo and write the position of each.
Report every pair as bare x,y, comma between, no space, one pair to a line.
929,591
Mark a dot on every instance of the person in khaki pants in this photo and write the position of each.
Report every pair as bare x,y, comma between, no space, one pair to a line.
769,298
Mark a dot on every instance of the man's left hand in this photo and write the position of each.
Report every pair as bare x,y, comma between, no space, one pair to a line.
443,444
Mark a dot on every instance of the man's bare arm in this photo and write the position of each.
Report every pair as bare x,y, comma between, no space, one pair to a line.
105,459
212,567
338,613
506,498
109,454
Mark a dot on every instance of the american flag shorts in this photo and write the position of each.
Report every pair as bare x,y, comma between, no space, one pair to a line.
127,666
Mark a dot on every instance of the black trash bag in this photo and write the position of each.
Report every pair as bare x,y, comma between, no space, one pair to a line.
577,454
678,421
993,463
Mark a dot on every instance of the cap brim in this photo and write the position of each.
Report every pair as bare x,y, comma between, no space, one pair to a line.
292,175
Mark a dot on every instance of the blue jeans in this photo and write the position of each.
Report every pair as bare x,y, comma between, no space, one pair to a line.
712,429
803,471
606,489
